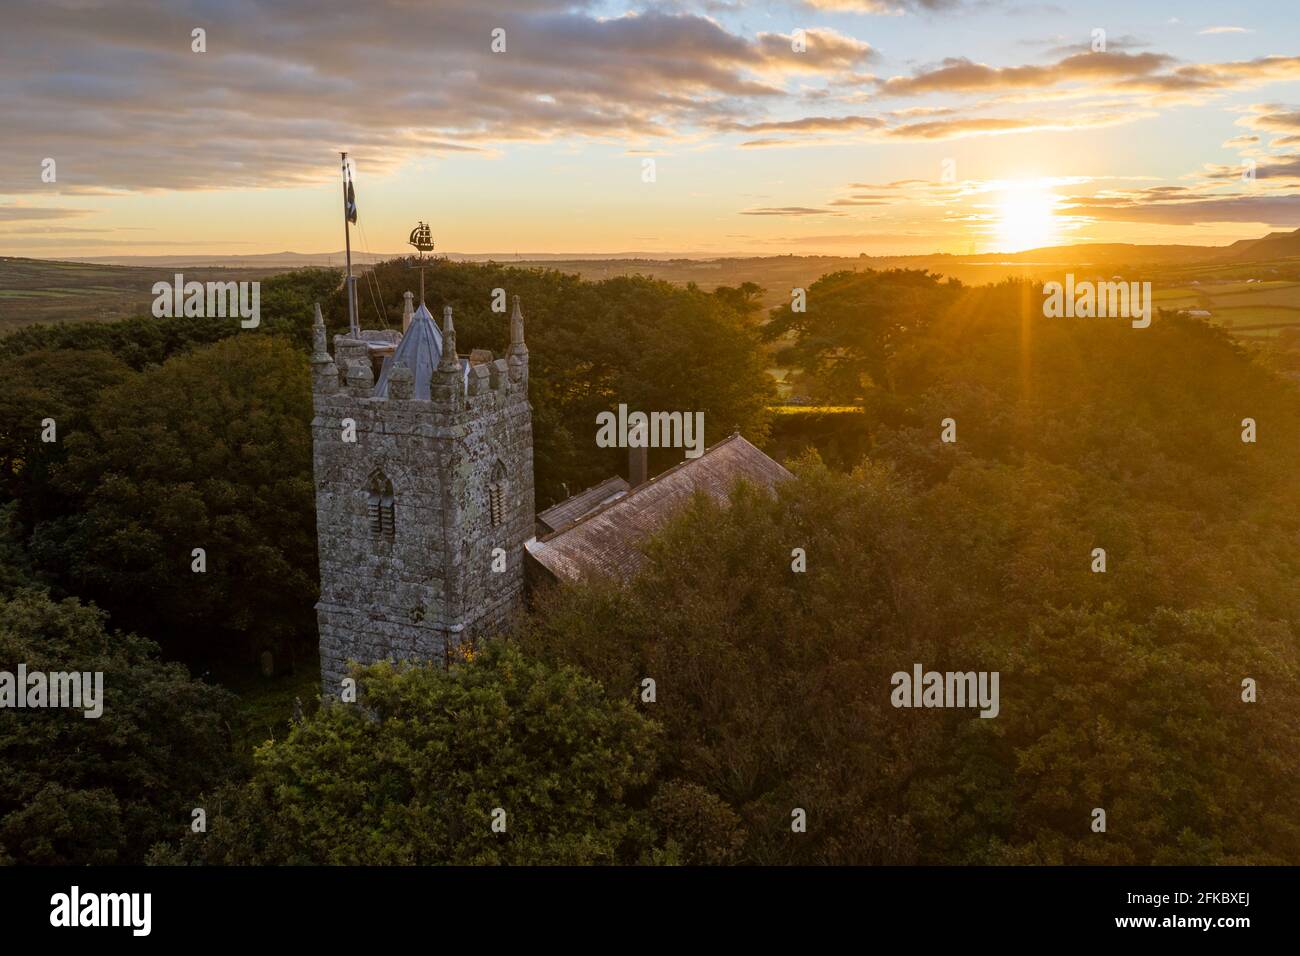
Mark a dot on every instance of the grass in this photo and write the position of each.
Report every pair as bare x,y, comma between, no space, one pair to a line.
1258,315
37,290
266,704
1283,294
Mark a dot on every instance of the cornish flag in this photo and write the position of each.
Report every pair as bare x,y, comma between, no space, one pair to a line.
350,201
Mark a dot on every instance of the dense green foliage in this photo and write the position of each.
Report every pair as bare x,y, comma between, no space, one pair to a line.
773,687
37,387
1120,690
839,435
852,325
413,773
210,450
76,790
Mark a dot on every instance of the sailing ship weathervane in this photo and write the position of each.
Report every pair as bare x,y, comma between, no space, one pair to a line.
422,238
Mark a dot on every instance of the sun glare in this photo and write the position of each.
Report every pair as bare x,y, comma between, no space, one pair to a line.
1026,217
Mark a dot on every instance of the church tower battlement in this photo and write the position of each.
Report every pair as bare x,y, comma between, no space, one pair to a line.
423,464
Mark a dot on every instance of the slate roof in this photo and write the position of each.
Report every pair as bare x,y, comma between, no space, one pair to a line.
420,350
582,504
606,542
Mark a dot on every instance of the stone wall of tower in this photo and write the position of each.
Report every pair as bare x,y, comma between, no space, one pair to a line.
431,586
494,429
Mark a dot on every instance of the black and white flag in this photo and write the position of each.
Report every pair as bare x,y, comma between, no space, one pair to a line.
350,198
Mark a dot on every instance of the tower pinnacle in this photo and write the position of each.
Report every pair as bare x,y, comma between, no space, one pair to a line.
516,326
449,359
319,353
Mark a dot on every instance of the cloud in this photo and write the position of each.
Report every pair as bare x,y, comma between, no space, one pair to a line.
1271,210
16,213
886,7
896,184
1211,30
1113,44
961,75
825,51
989,125
1237,142
53,231
947,126
808,124
116,96
1286,166
1133,73
914,111
1273,119
1214,77
850,239
1219,196
788,211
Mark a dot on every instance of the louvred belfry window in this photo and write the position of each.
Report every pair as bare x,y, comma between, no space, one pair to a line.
497,495
381,509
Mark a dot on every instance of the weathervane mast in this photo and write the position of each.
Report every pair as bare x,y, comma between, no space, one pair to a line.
422,238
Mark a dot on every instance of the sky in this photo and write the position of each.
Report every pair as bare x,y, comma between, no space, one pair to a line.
833,127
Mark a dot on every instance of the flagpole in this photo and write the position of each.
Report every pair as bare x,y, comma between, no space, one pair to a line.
347,246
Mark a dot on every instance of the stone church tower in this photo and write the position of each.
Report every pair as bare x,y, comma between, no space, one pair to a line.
423,464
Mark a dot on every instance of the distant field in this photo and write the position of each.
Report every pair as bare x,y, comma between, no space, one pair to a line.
1285,294
816,409
36,290
776,274
1251,309
1255,314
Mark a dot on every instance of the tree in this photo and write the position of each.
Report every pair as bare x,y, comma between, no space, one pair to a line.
853,325
211,451
58,387
79,791
764,676
418,771
746,299
1120,691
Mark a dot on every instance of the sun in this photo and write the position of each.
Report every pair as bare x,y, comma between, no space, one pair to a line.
1026,217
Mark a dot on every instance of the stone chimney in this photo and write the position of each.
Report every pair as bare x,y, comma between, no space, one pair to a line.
638,458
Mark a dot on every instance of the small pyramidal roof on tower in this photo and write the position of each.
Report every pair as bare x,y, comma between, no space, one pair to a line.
420,350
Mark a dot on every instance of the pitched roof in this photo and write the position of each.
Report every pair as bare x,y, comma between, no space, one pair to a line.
606,542
582,504
420,350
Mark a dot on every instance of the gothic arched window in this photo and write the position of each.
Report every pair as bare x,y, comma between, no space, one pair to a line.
497,494
380,508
